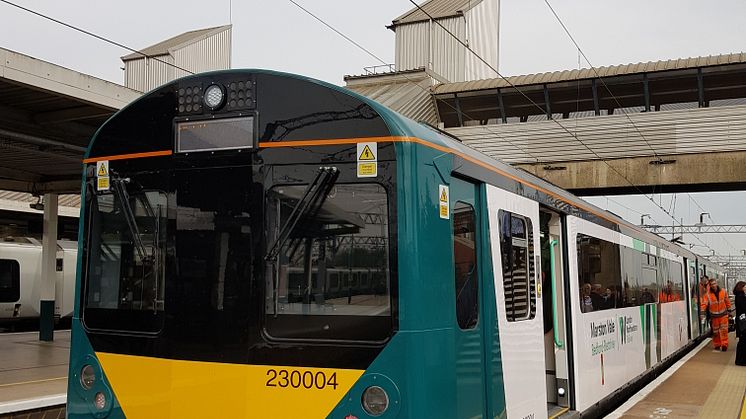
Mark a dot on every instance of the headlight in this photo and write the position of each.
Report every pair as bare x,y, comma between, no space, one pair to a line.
375,400
214,96
100,401
87,377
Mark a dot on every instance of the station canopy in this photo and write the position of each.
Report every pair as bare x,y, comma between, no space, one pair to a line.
48,115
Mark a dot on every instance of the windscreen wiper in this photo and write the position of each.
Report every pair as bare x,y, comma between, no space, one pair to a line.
314,195
120,190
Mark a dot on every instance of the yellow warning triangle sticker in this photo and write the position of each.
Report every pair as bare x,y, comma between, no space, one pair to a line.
102,171
367,154
443,196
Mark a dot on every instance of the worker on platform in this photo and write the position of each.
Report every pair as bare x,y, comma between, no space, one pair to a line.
717,304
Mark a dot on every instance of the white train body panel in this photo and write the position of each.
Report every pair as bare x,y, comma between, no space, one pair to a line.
28,256
615,346
521,342
674,328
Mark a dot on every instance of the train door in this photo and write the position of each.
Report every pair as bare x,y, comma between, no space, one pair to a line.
553,307
516,256
473,325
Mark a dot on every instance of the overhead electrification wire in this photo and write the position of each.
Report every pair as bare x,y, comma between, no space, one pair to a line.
539,107
621,108
595,72
89,33
691,198
353,42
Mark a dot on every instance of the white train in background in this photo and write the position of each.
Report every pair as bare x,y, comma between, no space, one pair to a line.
20,279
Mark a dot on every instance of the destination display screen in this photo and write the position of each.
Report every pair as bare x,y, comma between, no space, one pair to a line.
216,134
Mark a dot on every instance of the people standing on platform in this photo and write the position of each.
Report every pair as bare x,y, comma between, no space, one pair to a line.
586,303
740,292
717,304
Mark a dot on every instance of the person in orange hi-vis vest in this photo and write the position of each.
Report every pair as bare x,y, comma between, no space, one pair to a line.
717,304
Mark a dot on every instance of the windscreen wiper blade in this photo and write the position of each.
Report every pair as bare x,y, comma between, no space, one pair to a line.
317,202
121,191
316,190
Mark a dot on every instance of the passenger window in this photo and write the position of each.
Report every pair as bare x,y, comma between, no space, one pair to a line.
517,252
10,281
599,270
465,261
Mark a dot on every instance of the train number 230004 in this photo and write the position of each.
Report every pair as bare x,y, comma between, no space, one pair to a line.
301,379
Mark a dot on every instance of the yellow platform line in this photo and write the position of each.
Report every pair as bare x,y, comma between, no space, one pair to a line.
560,413
33,382
743,406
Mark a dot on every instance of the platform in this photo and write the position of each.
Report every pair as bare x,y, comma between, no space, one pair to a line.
703,384
33,374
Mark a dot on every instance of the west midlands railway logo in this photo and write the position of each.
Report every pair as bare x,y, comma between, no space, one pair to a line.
626,329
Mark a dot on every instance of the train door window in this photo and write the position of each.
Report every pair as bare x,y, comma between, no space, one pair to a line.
10,281
648,292
672,281
465,262
517,253
631,276
599,271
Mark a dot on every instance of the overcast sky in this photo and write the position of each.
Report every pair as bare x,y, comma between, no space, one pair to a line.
278,35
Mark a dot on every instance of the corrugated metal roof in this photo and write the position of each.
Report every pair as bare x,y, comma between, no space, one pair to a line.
587,73
437,9
163,47
72,201
406,92
686,131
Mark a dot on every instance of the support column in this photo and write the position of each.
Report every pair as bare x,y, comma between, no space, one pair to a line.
48,269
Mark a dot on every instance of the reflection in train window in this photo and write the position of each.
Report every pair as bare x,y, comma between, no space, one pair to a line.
517,252
612,276
599,268
465,265
342,234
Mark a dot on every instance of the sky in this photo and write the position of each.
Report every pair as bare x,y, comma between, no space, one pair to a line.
279,35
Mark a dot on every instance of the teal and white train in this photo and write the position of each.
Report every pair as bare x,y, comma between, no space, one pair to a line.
263,245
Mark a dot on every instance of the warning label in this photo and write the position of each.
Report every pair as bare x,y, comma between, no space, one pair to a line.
367,159
102,183
102,175
102,168
443,201
367,153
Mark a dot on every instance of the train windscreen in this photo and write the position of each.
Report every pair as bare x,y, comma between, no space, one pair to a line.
327,263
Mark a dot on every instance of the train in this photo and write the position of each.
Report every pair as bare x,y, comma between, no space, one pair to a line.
20,273
262,244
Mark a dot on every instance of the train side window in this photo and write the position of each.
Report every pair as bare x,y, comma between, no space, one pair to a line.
10,281
517,252
599,272
465,265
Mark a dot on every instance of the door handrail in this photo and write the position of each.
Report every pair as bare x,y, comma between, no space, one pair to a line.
557,340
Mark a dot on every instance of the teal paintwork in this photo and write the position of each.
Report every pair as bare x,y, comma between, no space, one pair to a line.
419,367
79,400
425,357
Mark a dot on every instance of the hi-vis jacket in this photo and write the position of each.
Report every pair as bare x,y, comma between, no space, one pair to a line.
718,304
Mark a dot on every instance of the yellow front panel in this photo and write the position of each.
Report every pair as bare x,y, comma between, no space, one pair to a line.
165,388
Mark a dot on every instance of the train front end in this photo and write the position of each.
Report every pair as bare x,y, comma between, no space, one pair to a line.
238,254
